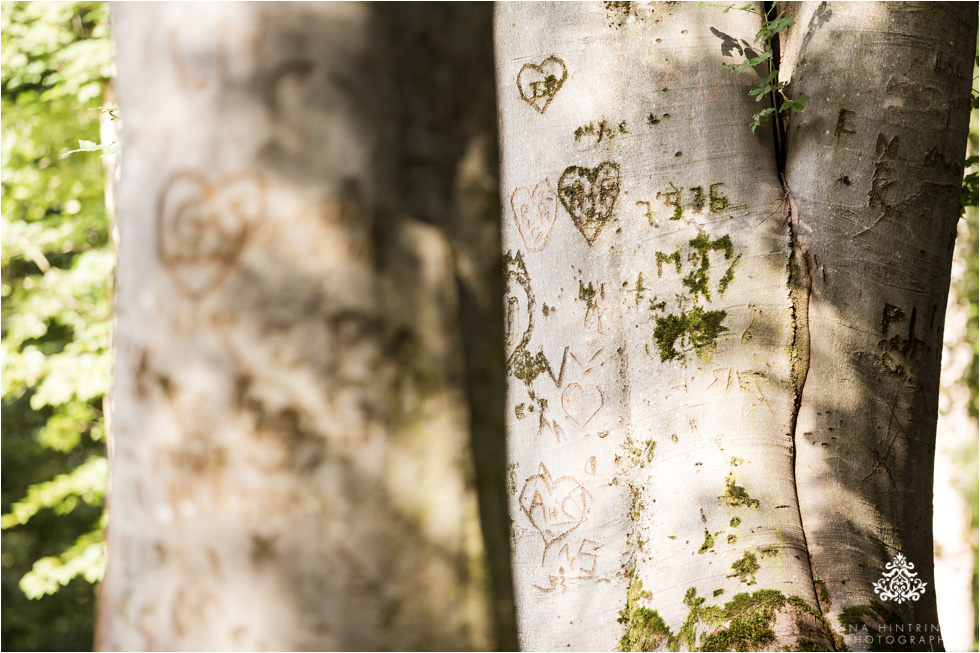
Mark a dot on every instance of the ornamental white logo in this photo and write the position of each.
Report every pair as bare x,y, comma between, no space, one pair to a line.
898,582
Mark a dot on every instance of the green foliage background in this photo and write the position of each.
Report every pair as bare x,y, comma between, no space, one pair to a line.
57,263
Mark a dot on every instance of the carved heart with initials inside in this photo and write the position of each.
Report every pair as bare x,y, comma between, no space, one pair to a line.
589,195
535,213
555,507
202,226
539,83
581,403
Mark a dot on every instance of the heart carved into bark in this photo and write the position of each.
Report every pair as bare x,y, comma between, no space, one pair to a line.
538,84
554,507
535,213
589,195
581,403
202,226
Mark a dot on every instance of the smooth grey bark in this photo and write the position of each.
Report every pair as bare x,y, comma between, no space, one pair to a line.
292,466
874,170
652,345
723,379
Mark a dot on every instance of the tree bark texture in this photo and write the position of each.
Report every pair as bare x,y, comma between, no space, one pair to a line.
874,170
292,465
721,412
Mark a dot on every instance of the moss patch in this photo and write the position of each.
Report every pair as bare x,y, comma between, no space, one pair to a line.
745,568
728,277
735,495
749,622
526,366
674,258
709,541
735,522
586,294
718,202
745,623
698,202
645,629
697,328
822,594
697,279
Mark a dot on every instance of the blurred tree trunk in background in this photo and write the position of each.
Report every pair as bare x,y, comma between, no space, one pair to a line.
292,460
723,347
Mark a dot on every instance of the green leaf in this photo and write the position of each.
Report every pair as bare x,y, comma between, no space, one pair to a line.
796,105
86,482
760,117
86,558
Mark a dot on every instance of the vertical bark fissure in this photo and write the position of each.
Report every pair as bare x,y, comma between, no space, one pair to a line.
799,282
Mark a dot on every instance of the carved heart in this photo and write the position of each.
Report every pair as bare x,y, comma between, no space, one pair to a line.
539,83
535,213
589,195
555,508
202,226
581,403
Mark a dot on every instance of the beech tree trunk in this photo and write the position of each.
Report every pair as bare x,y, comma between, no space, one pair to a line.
293,465
723,368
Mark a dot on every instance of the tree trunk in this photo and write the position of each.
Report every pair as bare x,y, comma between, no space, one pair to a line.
874,170
685,469
292,462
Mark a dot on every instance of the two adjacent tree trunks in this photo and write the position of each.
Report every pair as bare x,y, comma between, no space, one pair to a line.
723,372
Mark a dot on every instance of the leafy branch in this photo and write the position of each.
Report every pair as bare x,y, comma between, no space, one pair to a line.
769,86
106,148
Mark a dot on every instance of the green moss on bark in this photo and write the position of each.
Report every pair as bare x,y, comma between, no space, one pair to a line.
745,623
645,629
736,495
674,257
745,568
709,541
697,328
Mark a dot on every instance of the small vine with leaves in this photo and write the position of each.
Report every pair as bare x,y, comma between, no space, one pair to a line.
769,85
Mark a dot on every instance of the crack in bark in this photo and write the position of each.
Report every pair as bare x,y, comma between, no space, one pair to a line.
800,284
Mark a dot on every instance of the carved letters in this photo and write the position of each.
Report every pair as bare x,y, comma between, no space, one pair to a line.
203,224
